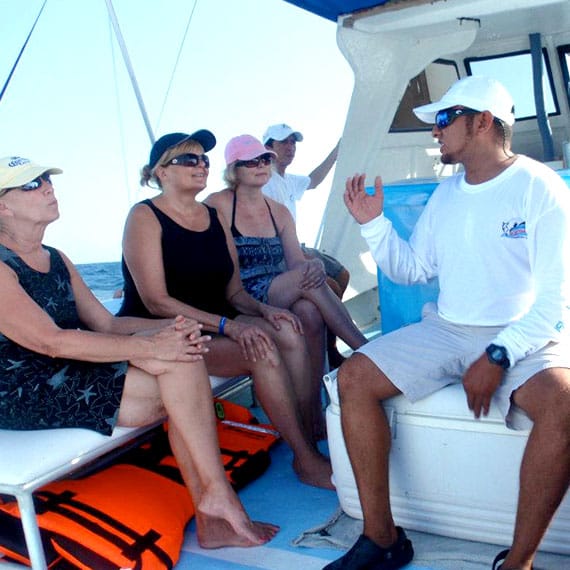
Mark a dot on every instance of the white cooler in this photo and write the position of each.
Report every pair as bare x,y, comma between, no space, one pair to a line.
450,474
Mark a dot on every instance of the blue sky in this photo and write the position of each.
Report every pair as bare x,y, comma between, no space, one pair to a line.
244,64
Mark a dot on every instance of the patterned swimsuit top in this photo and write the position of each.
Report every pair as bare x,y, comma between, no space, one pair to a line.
261,259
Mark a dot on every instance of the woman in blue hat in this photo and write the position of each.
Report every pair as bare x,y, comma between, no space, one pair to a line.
178,258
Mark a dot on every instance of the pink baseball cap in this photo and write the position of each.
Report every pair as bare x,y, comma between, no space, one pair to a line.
244,147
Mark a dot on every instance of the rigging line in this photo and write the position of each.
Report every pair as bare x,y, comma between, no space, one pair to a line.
176,64
120,122
21,51
130,69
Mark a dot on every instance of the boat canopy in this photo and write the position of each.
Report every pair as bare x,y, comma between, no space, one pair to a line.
332,9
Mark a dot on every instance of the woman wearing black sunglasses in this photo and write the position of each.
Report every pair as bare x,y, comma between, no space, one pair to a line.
65,361
178,258
273,267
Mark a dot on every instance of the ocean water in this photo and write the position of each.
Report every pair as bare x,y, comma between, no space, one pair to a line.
102,278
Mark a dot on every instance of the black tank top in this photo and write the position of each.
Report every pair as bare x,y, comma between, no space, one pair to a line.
197,267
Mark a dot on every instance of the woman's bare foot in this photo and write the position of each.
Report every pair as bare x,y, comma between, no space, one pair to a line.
218,533
222,521
316,471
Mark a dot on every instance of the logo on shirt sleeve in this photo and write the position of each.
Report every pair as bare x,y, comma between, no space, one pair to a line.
514,228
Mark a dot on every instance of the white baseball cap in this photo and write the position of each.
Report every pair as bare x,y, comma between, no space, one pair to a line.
16,171
280,132
475,92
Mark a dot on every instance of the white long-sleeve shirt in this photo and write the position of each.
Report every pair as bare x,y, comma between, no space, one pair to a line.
501,250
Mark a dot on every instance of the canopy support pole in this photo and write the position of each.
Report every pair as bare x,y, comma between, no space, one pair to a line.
130,69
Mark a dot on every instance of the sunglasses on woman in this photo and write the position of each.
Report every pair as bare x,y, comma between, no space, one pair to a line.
264,160
445,117
189,159
31,185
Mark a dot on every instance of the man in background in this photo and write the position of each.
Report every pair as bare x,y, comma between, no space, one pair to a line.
288,189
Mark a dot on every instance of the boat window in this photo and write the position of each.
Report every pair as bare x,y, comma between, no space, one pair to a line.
426,87
564,55
514,71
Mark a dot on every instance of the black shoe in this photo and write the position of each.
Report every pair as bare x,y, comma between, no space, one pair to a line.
367,555
499,558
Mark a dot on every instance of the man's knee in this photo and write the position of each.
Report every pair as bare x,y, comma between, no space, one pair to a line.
359,377
342,279
546,397
335,287
355,375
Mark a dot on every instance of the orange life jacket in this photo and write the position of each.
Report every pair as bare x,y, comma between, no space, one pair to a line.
133,513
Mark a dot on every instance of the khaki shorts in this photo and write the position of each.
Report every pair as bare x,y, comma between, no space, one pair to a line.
424,357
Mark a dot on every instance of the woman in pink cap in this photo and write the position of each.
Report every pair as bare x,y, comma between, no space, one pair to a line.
273,267
178,258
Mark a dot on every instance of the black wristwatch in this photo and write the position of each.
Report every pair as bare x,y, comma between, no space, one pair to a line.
498,355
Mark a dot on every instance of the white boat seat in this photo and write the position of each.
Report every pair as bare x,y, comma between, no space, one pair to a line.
32,459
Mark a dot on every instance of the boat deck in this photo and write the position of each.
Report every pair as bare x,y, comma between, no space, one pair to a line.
278,497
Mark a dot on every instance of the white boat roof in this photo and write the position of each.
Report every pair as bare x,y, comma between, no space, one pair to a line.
389,45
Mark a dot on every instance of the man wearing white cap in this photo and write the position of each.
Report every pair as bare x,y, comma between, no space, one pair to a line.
498,238
288,189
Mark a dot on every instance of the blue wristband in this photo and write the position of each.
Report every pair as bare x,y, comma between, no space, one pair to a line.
222,325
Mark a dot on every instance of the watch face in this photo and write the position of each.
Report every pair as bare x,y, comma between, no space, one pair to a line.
497,354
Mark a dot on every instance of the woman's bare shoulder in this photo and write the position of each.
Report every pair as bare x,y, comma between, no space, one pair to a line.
220,198
6,272
141,213
141,208
280,211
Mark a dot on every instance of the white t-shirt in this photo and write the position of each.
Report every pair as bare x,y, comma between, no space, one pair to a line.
501,250
287,189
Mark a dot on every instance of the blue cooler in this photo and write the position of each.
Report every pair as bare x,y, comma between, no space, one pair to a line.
401,305
565,175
